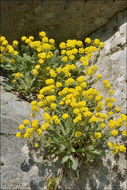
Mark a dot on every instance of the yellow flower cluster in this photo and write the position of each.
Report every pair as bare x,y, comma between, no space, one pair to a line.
71,48
69,96
116,147
6,48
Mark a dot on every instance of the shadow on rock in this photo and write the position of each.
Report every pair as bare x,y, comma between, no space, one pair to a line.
106,173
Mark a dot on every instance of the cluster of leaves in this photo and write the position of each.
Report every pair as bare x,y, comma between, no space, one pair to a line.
27,63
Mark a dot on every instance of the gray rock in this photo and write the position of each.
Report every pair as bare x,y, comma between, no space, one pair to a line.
17,170
61,19
112,61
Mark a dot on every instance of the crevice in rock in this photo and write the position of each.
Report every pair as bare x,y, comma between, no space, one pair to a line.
107,22
118,47
7,134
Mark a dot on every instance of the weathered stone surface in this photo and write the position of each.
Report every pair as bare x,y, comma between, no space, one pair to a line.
61,19
112,61
14,153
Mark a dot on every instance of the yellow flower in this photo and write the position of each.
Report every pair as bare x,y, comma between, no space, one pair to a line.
33,103
96,42
115,151
65,116
98,135
61,103
77,119
112,123
94,67
53,106
102,44
62,45
58,84
14,81
110,113
36,145
69,81
29,130
111,91
39,132
42,55
10,48
107,86
47,117
64,58
49,81
122,148
80,79
42,34
109,105
56,119
99,76
71,57
40,96
52,73
87,114
31,37
89,71
63,52
26,122
15,43
2,38
40,61
21,127
37,67
52,41
78,134
88,40
124,133
45,39
18,134
79,43
84,84
12,61
5,42
76,111
35,123
44,126
41,103
102,125
113,100
93,119
26,136
18,75
114,132
34,72
110,144
118,109
23,38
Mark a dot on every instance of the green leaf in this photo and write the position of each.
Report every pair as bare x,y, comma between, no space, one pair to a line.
8,88
74,163
65,159
97,152
91,148
90,157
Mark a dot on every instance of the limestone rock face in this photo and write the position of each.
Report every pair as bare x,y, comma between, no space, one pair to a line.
61,19
15,160
112,61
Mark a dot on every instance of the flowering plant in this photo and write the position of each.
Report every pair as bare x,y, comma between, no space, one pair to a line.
78,120
29,63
